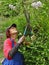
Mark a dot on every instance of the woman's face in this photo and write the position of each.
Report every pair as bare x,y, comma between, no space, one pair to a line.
13,33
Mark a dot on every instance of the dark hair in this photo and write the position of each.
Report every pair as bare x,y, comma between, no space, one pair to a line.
7,30
7,33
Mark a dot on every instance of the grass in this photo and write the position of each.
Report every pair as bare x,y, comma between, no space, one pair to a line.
1,55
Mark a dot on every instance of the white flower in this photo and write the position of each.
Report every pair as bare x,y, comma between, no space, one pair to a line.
36,4
39,4
12,7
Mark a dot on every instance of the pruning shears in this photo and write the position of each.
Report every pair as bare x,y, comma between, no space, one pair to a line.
27,16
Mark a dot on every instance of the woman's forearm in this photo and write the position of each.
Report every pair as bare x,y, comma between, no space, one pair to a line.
15,48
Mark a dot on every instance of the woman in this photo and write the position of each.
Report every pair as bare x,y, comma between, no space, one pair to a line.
12,56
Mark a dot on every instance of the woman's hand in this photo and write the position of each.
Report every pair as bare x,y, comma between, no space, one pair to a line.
21,39
24,34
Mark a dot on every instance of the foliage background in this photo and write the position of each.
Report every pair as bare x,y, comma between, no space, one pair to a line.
37,53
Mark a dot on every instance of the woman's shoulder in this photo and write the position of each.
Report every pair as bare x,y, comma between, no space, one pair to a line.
7,43
7,40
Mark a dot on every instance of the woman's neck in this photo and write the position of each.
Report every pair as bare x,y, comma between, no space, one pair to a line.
13,39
